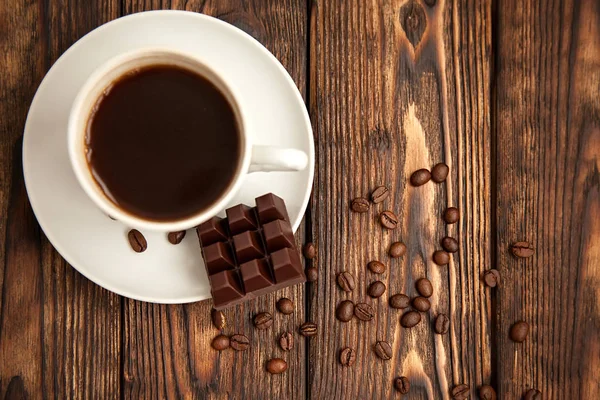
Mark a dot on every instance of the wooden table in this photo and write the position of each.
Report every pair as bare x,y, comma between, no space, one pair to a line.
507,93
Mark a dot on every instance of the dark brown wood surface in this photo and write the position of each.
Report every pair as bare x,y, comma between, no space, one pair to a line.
506,93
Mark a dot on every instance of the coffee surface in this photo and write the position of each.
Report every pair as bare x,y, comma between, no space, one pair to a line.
163,143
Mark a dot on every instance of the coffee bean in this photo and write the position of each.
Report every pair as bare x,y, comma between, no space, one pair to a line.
491,277
421,304
137,241
410,319
442,324
388,220
519,331
220,342
379,194
399,301
440,257
460,392
276,366
397,249
486,392
402,384
309,251
522,250
286,341
364,312
451,215
376,289
239,342
383,350
424,287
449,244
263,320
312,274
176,237
376,267
345,281
439,172
308,329
420,177
360,205
533,394
347,357
218,319
285,306
345,310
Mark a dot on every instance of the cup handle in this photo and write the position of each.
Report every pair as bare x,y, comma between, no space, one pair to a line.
272,158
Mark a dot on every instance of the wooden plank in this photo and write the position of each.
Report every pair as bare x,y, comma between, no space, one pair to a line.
59,333
167,351
548,193
397,86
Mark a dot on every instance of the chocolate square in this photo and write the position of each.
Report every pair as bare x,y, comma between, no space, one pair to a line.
241,218
225,287
255,275
247,246
218,257
270,207
278,234
286,265
212,231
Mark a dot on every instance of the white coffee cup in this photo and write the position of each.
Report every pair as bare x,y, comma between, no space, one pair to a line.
254,158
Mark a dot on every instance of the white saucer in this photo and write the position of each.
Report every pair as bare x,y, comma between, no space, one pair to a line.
96,245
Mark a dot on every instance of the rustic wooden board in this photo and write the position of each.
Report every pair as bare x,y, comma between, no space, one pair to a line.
548,193
167,349
59,333
397,86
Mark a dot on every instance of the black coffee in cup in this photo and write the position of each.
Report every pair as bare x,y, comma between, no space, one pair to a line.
163,143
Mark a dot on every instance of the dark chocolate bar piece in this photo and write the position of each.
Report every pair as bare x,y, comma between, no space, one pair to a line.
251,252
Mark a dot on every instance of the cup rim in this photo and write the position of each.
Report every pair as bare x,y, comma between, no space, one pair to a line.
84,175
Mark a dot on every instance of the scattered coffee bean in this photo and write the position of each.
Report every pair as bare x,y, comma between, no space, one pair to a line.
312,274
397,249
347,357
440,257
439,172
309,251
308,329
285,306
442,324
449,244
410,319
424,287
460,392
451,215
399,301
491,277
421,304
364,312
379,194
220,342
420,177
486,392
402,384
137,241
345,310
176,237
218,319
239,342
533,394
276,366
522,250
286,341
388,220
360,205
519,331
383,350
263,320
376,267
376,289
345,281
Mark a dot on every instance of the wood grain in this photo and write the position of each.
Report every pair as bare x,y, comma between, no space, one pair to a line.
166,349
548,162
397,86
59,333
